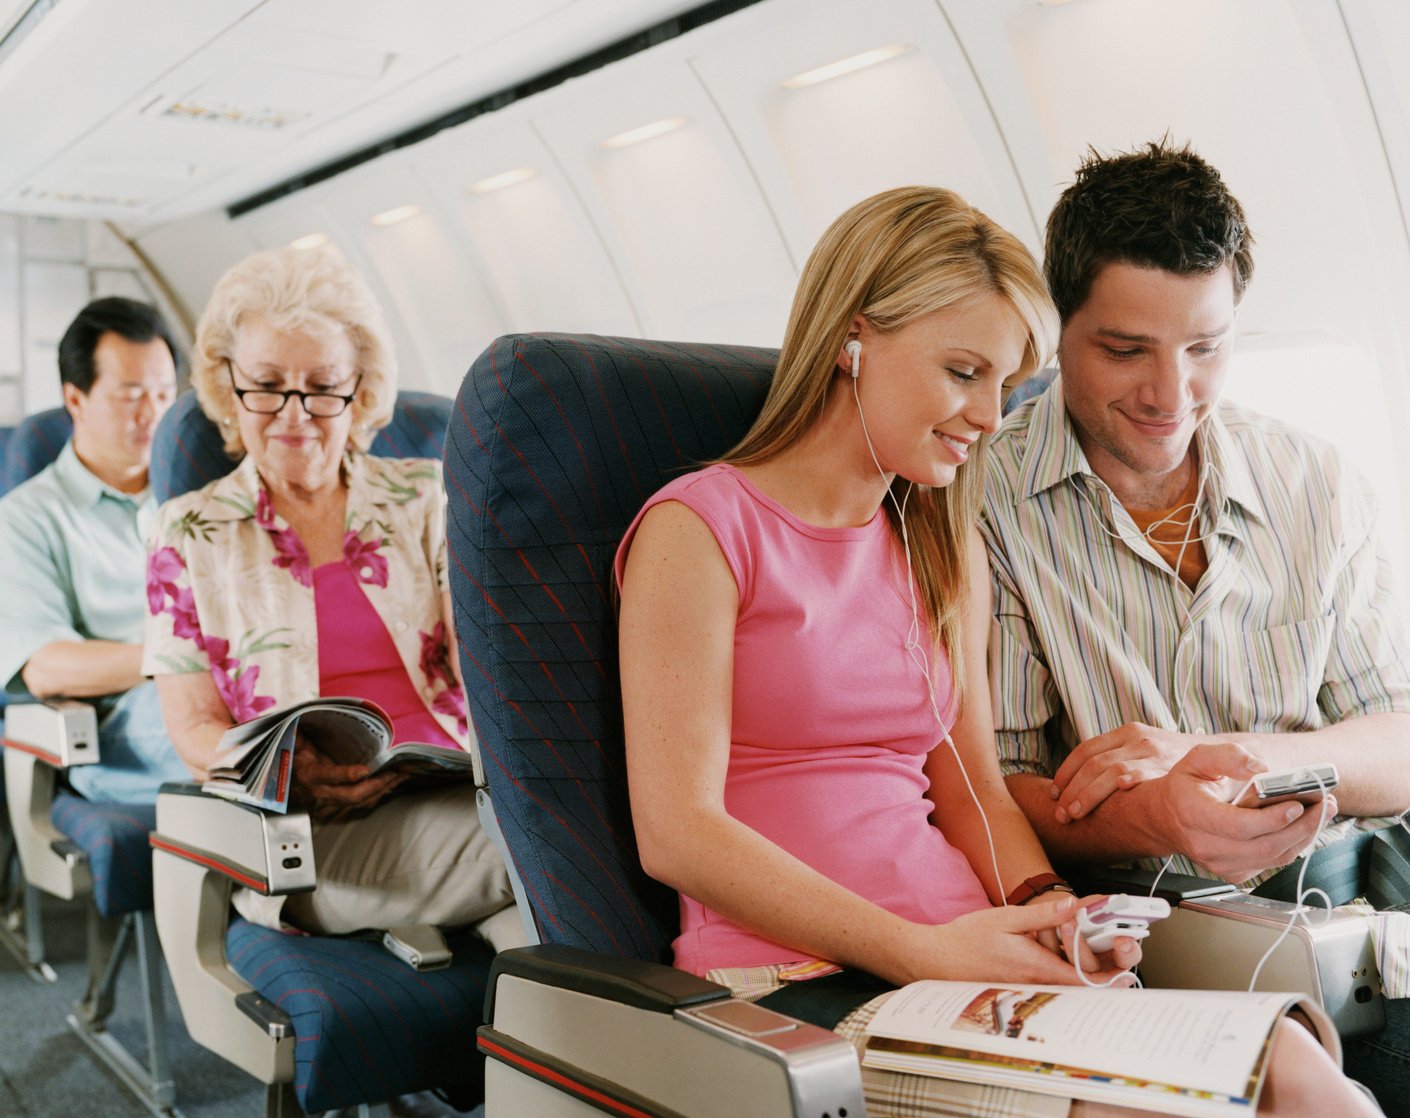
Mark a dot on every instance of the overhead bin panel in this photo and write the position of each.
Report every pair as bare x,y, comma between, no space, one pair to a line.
1380,35
519,217
700,253
304,220
448,308
831,104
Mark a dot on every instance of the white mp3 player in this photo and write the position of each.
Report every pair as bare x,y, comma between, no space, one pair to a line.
1119,915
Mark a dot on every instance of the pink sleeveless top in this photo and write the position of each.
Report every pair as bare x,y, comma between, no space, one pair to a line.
356,657
831,720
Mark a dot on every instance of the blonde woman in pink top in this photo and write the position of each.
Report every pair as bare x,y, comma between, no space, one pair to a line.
804,624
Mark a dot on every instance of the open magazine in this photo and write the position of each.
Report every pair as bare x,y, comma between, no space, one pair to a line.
1191,1052
254,761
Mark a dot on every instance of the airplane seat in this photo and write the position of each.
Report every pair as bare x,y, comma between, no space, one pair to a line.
36,442
325,1022
1032,387
187,451
21,930
555,443
72,848
5,433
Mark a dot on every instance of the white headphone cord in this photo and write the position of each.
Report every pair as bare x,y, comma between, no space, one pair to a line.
914,645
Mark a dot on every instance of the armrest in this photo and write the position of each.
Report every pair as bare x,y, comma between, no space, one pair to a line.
35,752
632,982
60,733
264,851
202,847
1216,935
569,1026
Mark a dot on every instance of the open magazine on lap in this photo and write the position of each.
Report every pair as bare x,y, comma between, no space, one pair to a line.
254,761
1190,1052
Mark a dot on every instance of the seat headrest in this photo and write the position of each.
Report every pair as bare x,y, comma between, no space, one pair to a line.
36,442
555,443
187,450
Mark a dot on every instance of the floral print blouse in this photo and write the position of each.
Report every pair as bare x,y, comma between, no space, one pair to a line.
230,586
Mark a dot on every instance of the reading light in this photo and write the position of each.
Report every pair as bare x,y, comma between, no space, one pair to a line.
645,132
310,240
845,66
395,214
503,179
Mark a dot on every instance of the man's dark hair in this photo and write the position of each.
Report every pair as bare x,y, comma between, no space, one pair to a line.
137,322
1156,207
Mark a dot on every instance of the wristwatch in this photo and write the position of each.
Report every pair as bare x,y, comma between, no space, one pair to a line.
1035,886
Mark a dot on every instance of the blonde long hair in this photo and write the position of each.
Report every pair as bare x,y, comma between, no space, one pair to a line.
894,258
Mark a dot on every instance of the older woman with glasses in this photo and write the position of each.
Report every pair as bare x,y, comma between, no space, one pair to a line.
315,569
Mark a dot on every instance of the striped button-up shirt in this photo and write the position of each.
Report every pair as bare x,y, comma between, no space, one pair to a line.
1293,626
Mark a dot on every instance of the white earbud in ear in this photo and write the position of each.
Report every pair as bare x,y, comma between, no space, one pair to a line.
854,350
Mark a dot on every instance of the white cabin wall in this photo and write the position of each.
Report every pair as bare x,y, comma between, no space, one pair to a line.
1273,93
50,268
698,233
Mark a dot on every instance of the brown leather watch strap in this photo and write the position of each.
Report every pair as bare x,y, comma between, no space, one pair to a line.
1035,886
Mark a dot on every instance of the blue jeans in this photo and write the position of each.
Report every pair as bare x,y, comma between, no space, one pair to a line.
135,757
1382,1060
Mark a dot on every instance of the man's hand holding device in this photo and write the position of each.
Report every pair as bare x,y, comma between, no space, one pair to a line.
1308,784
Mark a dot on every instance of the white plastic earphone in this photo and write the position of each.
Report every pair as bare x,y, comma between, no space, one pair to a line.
854,350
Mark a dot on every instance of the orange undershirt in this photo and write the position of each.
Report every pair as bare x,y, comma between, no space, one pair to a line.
1170,536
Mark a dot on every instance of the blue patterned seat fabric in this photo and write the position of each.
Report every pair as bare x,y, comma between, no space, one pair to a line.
114,837
367,1026
34,444
1026,390
6,433
555,444
187,451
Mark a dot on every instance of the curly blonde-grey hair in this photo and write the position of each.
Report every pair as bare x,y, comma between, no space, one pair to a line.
307,290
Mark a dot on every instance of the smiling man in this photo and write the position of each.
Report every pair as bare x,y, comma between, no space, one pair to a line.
1185,592
73,554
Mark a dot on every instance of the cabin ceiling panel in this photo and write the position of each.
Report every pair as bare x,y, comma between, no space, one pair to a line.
266,91
425,27
72,77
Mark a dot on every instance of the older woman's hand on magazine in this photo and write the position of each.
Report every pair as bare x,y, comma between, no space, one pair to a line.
328,789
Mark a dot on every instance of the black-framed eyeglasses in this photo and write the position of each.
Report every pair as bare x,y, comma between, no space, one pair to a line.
270,401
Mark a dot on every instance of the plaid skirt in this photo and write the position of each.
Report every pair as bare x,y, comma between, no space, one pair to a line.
894,1094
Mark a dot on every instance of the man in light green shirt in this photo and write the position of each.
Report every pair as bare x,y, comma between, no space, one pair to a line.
73,554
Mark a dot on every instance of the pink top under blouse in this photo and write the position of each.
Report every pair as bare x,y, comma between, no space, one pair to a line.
831,720
356,657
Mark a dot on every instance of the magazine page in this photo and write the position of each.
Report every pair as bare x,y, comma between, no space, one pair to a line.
254,760
347,731
426,759
1196,1052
